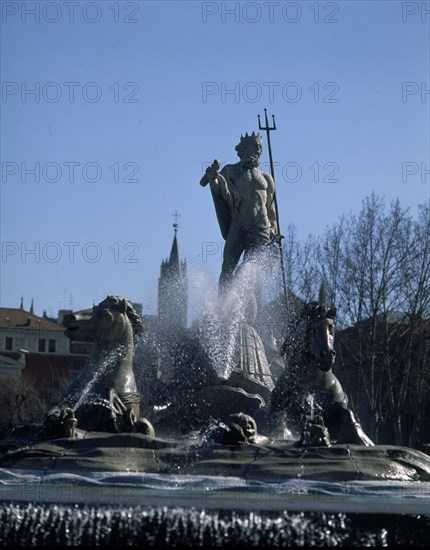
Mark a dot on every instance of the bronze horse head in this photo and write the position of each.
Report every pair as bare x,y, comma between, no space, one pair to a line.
106,322
318,330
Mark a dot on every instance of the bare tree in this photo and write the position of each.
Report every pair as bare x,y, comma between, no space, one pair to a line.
376,269
20,403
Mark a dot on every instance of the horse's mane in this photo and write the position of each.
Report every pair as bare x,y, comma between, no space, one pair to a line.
311,311
118,303
314,310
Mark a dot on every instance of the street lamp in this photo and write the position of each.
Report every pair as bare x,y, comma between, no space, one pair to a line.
28,352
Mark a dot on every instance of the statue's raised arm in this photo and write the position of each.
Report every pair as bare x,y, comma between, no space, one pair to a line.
211,173
219,186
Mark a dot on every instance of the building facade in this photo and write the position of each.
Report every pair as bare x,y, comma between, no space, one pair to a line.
35,347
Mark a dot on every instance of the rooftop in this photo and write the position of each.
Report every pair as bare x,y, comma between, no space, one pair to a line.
19,318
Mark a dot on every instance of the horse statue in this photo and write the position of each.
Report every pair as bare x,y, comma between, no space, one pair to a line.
104,396
308,388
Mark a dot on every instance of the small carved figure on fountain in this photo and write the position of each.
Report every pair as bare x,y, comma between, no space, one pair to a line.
315,433
238,429
61,423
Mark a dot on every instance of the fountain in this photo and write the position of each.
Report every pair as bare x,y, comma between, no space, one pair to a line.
234,449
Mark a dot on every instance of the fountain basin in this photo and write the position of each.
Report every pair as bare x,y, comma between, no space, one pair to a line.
130,489
271,461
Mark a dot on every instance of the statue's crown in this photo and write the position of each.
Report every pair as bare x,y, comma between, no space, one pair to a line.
251,137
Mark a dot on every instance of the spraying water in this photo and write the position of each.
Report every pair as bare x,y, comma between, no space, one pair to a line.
105,365
227,326
310,399
176,526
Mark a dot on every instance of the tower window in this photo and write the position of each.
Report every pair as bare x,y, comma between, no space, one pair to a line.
9,343
42,344
52,345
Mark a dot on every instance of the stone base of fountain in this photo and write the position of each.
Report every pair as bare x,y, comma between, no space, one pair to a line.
270,459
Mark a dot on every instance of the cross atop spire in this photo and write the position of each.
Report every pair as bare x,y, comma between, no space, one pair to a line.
176,215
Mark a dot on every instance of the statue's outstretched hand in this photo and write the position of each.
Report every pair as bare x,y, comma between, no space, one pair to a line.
211,173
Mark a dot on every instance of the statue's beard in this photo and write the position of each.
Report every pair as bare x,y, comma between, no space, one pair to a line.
250,162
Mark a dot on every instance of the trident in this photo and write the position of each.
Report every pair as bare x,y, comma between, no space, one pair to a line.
268,129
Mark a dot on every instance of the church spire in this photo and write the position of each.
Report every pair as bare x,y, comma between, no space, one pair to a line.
173,288
32,307
174,253
22,303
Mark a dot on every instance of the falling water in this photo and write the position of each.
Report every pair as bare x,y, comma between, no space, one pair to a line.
104,365
79,525
310,399
222,318
44,524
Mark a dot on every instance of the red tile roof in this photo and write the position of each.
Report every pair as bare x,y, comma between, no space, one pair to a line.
11,317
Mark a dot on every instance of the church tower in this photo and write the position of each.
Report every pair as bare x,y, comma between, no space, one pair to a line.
173,289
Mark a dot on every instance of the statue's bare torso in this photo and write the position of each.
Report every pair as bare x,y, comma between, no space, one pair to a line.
252,190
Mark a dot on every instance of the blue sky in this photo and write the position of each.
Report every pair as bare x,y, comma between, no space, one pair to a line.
133,99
